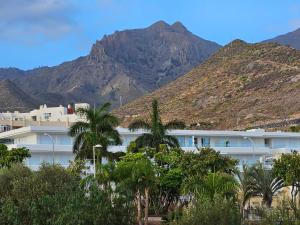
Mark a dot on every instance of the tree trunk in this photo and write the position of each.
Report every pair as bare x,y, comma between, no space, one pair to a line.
139,208
146,206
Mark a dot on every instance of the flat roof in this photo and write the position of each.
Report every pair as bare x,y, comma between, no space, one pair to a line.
32,129
125,131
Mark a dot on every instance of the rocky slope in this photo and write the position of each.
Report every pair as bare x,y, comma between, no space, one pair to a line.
11,95
240,86
119,68
291,39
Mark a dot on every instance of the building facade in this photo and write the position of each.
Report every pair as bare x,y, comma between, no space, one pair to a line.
246,146
43,116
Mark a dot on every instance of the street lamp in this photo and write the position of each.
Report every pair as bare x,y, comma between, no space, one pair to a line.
253,145
94,157
52,146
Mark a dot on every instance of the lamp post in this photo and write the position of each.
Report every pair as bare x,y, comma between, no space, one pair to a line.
52,146
94,157
253,145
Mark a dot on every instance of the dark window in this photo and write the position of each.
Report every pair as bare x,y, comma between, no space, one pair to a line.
195,141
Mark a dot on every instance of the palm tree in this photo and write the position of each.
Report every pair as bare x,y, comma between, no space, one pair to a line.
245,187
264,184
245,184
98,128
156,130
212,185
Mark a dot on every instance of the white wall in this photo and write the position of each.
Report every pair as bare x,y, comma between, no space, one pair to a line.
62,158
286,143
59,139
29,139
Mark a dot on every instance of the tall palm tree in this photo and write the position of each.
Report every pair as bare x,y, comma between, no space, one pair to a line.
264,184
97,128
156,130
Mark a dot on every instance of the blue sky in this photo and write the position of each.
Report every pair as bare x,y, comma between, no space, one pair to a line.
37,33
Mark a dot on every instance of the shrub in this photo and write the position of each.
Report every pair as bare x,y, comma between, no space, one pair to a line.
55,196
205,212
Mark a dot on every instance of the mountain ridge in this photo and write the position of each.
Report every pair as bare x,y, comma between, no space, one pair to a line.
120,67
10,94
240,85
291,39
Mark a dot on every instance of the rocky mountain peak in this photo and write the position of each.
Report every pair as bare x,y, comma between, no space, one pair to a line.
120,67
179,27
160,26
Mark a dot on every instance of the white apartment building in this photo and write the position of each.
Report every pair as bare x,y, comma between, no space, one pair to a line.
53,116
246,146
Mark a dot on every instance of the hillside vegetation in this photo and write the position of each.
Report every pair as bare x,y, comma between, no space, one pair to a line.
239,86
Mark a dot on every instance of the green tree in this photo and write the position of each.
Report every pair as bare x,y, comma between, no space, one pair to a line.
98,128
175,169
265,184
245,186
206,161
135,172
15,155
170,176
157,131
295,128
210,186
56,196
287,167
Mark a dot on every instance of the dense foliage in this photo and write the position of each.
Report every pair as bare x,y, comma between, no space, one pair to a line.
205,212
53,195
155,176
15,155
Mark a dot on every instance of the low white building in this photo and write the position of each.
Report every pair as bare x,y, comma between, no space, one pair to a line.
246,146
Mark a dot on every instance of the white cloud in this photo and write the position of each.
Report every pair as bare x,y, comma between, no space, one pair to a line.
35,19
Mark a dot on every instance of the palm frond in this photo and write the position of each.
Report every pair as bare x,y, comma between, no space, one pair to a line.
171,141
104,108
77,128
139,124
175,124
111,119
114,137
145,140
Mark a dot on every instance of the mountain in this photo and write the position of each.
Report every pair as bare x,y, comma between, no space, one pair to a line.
291,39
12,96
10,73
119,68
240,86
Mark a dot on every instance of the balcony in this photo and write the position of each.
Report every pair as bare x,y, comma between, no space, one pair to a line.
43,147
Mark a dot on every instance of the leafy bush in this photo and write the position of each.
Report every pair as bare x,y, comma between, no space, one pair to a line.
15,155
55,196
205,212
281,215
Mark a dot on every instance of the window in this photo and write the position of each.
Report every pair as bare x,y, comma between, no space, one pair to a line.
205,142
227,143
267,142
190,142
181,141
196,141
47,116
